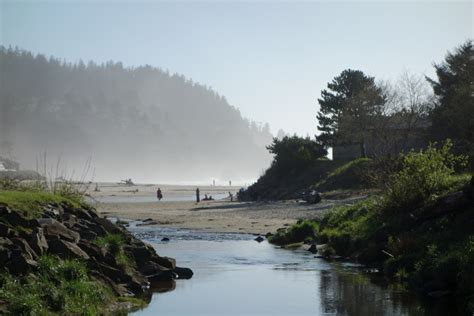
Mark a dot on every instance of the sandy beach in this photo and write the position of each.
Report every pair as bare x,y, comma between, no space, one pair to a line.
218,215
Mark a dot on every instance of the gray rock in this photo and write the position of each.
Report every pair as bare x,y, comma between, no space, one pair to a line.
108,226
38,241
151,268
66,250
313,249
19,264
160,276
7,231
53,229
27,251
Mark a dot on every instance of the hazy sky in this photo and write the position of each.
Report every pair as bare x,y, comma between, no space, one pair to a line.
270,59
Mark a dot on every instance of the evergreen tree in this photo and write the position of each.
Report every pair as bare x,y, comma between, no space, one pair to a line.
453,115
347,107
295,153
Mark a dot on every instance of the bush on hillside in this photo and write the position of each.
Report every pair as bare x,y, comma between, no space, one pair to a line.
424,174
355,174
303,230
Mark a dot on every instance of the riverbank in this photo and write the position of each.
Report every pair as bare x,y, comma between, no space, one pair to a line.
429,248
58,256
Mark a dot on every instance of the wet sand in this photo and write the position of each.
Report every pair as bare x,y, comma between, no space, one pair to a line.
221,215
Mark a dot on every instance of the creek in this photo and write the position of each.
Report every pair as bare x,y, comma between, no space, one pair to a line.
235,275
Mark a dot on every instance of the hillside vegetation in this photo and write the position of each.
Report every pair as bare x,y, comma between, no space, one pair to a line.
322,175
140,121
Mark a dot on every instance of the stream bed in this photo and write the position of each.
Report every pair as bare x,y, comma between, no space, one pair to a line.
235,275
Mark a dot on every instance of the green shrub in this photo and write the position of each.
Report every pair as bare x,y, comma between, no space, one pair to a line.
112,242
303,230
423,175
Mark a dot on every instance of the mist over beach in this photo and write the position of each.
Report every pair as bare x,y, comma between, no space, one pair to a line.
236,158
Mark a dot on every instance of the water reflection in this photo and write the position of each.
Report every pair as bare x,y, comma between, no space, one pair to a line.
163,286
242,277
349,291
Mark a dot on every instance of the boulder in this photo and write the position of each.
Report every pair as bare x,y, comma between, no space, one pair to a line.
91,249
141,254
119,289
25,248
90,226
7,231
79,213
166,262
20,264
144,253
163,286
312,197
151,267
66,250
259,239
53,229
108,226
88,235
113,273
13,218
137,284
6,246
161,276
165,239
69,220
37,241
183,273
52,212
312,248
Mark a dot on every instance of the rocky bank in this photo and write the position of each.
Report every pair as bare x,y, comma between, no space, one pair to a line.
70,232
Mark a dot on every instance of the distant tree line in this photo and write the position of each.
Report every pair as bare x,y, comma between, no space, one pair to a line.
140,120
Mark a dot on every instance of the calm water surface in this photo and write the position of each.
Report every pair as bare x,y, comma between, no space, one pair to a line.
234,275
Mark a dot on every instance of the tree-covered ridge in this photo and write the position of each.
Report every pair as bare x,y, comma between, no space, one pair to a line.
115,114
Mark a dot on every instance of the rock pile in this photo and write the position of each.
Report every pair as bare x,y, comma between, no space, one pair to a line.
72,233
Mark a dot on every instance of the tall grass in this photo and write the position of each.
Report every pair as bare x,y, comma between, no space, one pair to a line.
60,288
58,180
55,179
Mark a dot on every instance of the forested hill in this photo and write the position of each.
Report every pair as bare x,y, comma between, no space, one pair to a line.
143,122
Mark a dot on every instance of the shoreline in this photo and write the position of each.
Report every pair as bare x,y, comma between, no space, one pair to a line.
221,216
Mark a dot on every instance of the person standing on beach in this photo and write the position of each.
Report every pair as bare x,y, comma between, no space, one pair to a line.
159,195
197,195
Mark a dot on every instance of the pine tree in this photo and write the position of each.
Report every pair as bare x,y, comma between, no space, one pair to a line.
453,115
346,109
